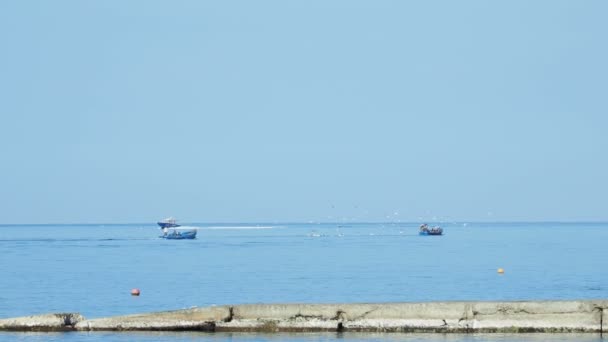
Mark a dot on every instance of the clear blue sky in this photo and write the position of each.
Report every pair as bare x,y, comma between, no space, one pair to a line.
213,111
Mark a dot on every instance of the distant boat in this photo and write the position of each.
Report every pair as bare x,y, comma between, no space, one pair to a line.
175,233
425,230
169,222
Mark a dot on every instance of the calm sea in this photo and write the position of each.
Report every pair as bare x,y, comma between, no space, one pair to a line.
92,268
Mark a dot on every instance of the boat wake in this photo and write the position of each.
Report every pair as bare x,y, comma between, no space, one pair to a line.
239,227
73,239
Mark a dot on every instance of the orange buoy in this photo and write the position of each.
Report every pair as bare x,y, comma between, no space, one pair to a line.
501,271
135,292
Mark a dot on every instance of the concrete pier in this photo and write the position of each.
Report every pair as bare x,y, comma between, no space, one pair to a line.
443,317
203,319
48,322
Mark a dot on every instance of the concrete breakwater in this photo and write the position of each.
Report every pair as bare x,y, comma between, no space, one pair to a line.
443,317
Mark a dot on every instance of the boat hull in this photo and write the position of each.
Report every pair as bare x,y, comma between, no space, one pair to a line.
177,235
167,224
430,233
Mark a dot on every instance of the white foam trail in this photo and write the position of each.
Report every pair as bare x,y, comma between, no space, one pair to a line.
241,227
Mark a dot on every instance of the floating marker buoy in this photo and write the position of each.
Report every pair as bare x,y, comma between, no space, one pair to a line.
500,271
135,292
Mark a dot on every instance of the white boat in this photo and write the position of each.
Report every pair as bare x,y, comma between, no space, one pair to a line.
169,222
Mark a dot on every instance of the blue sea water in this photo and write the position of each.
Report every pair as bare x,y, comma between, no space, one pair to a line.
92,268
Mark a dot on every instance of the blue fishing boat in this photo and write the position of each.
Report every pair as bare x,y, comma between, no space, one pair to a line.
169,222
180,233
425,230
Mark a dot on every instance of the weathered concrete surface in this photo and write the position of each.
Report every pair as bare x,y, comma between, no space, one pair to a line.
48,322
547,315
190,319
525,316
541,316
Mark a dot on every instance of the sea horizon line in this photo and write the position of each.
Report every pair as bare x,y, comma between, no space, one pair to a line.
314,222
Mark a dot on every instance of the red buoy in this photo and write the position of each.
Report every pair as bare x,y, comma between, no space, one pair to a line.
135,292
